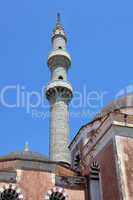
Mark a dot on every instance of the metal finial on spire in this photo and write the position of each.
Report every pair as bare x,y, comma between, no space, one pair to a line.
26,147
58,22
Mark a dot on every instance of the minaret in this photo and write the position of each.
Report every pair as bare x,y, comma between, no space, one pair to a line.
59,93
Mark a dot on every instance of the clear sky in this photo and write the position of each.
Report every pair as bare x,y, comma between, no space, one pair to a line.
100,41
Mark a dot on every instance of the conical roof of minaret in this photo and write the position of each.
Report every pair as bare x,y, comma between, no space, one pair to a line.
58,30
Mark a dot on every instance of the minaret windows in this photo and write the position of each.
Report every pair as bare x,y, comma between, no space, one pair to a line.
60,77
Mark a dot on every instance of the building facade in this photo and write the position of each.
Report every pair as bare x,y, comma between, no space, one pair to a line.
98,163
102,152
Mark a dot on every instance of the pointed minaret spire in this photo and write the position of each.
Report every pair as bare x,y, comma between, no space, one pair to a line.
59,30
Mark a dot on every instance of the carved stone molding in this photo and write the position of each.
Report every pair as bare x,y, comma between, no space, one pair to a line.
11,192
56,192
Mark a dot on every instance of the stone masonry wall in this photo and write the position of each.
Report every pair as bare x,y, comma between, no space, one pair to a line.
59,129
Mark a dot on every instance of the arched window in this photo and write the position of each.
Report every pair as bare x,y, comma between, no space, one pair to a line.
56,193
57,196
10,192
60,77
94,182
76,163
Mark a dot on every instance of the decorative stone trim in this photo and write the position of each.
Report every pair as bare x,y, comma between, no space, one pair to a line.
58,191
59,57
122,124
59,89
11,192
70,182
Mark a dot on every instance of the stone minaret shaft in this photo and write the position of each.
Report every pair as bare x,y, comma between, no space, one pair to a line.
59,93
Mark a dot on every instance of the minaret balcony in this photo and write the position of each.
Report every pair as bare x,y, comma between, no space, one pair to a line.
59,57
59,88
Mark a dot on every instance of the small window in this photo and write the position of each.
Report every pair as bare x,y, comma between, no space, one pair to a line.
59,47
60,77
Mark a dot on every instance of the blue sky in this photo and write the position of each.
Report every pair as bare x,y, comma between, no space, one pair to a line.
100,41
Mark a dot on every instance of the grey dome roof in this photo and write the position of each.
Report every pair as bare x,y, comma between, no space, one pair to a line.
122,102
25,155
